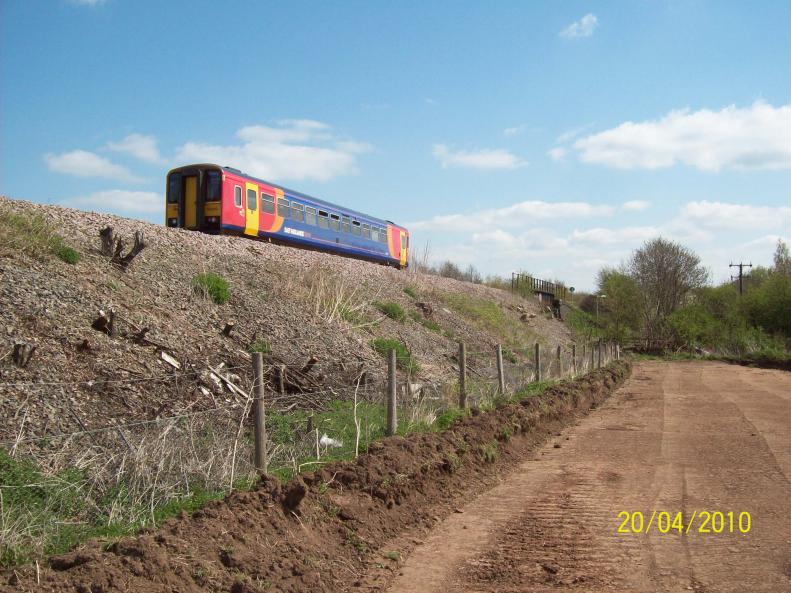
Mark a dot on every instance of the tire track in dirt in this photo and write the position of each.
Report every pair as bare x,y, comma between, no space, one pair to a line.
676,437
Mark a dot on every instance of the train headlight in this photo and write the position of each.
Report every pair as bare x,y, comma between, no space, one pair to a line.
173,221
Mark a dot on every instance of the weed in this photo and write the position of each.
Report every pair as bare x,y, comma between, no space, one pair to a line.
510,356
452,463
404,358
411,291
392,310
260,345
213,286
392,556
489,452
32,235
449,417
67,254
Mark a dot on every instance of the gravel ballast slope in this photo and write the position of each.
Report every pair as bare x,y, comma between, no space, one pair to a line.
77,370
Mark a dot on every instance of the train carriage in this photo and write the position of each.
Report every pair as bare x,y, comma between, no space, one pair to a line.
223,200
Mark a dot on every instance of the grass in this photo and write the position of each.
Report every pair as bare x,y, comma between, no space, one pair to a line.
32,235
260,345
489,316
392,310
583,324
533,389
404,358
213,286
410,291
510,356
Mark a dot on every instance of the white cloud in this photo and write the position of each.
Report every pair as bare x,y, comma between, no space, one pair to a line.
601,236
295,149
118,201
515,216
498,158
581,28
755,137
82,163
636,205
515,131
722,215
557,154
573,133
139,146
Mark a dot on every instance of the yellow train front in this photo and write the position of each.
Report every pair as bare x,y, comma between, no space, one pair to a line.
222,200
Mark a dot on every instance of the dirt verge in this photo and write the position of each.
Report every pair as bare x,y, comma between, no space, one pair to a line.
321,531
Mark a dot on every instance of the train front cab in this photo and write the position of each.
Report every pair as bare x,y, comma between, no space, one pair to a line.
194,198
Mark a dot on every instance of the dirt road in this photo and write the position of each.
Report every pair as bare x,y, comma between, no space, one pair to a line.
677,437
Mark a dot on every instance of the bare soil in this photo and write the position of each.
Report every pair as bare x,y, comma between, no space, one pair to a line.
341,529
679,437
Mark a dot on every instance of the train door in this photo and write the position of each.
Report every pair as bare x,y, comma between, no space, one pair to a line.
191,202
251,209
404,246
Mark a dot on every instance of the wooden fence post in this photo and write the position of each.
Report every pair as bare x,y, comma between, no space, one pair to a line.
574,359
600,349
392,419
259,414
593,354
462,375
617,351
559,356
500,371
538,362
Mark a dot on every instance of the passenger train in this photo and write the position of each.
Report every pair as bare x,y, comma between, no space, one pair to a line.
223,200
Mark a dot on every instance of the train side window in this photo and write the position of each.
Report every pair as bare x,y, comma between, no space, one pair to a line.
267,203
335,222
366,231
174,188
252,203
374,234
324,222
213,186
383,235
345,226
356,228
310,215
403,242
237,196
297,212
283,208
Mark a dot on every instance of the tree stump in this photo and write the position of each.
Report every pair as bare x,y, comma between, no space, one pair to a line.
23,353
107,241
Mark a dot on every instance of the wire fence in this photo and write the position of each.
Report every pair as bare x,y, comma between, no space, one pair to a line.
124,475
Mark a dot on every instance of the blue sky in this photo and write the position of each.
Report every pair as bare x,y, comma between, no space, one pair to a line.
553,137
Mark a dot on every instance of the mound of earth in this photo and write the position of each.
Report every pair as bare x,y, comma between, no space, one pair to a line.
330,530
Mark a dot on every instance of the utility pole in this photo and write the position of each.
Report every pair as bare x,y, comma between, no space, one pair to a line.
741,267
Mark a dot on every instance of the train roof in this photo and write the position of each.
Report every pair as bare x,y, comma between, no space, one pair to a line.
317,201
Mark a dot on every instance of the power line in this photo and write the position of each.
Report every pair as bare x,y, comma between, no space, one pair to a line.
741,267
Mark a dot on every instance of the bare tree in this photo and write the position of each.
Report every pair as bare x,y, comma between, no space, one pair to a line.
666,273
782,259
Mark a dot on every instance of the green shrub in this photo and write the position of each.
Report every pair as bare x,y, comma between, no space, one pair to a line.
212,286
392,310
260,345
404,358
410,291
67,254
